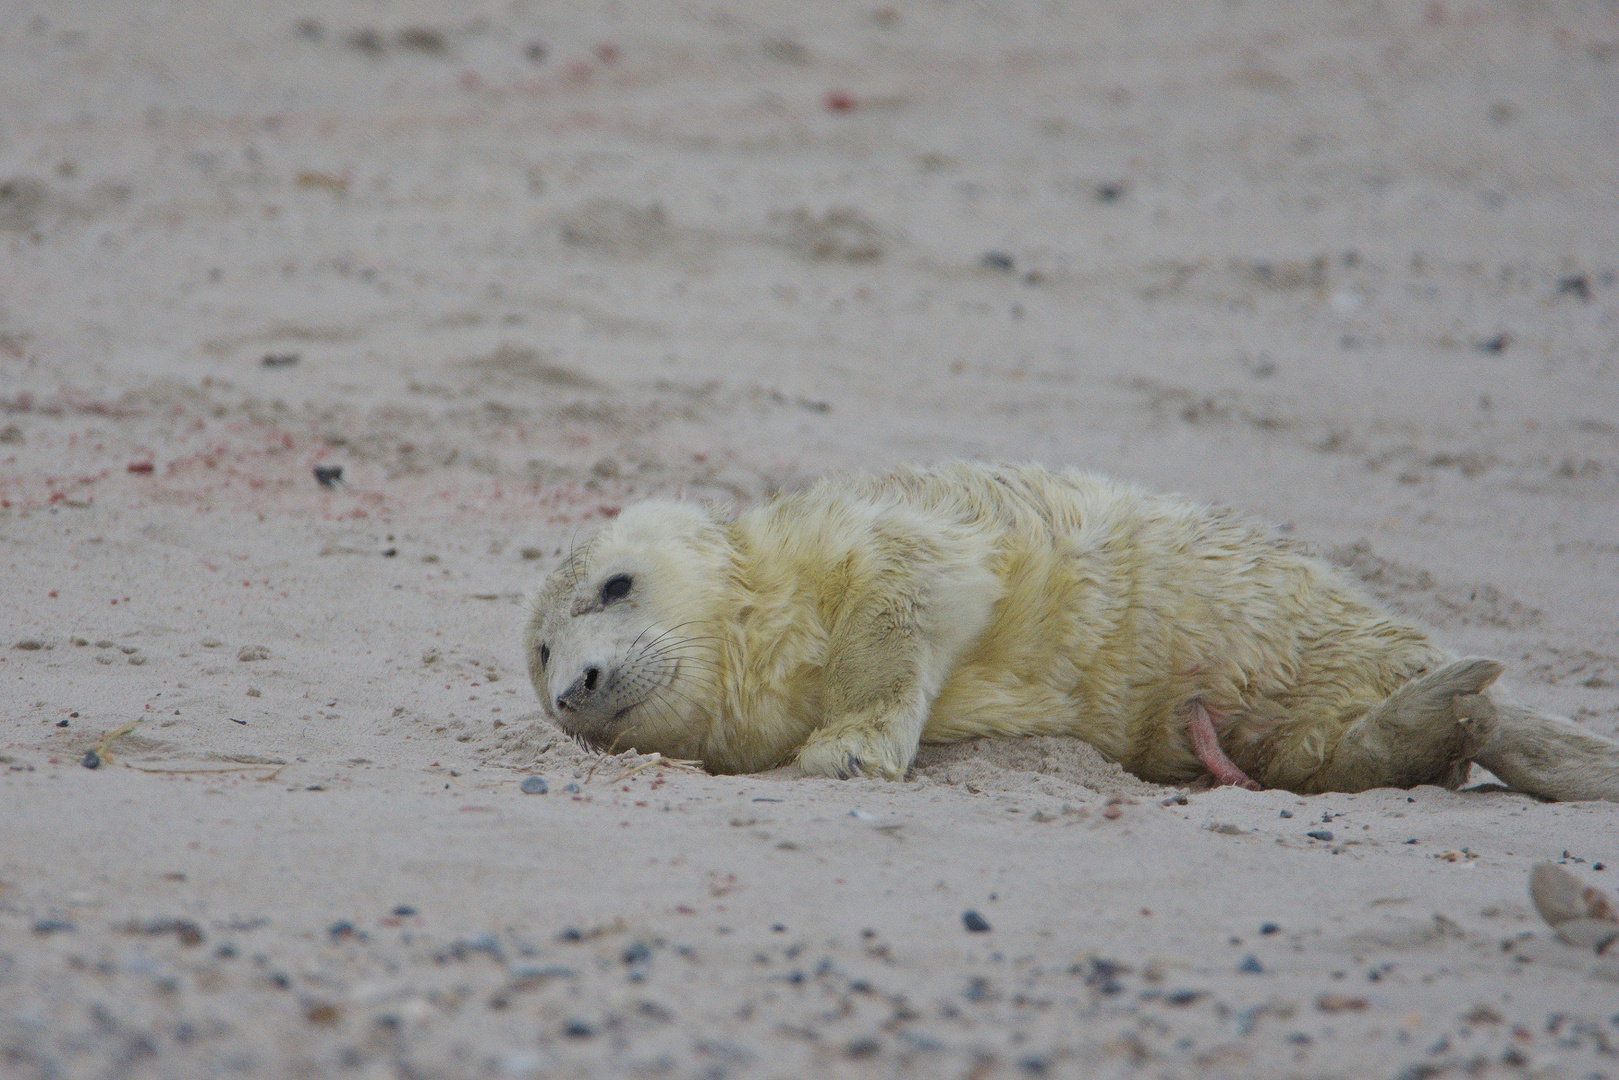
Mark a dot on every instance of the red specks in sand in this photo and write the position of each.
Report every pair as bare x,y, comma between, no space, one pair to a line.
839,101
607,53
138,467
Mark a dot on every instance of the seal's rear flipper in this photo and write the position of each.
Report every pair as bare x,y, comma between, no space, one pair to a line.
1426,732
1548,756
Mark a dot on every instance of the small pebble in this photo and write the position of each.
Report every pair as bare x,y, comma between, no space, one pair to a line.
1285,814
535,785
1575,285
328,475
578,1029
1269,928
61,723
572,789
92,760
997,260
46,927
404,911
974,922
279,359
1319,834
1250,965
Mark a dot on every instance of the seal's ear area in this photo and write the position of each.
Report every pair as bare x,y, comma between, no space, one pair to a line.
658,522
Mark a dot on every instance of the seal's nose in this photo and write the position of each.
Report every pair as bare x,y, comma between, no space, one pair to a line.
580,692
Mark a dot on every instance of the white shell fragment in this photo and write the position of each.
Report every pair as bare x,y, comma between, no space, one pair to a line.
1581,914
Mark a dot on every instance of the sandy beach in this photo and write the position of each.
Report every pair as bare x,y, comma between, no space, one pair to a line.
326,328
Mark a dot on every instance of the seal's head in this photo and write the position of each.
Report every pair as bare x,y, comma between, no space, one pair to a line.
618,643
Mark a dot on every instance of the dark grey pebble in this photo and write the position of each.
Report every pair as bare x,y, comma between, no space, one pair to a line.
1496,345
328,475
92,760
1183,997
1319,834
863,1048
61,723
535,785
1250,965
1106,193
763,799
572,789
388,553
570,933
542,972
1285,813
188,932
1575,285
342,929
46,927
1103,974
404,911
578,1029
975,922
997,260
279,359
1269,928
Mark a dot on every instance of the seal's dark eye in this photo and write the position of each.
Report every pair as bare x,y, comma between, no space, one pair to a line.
616,588
545,654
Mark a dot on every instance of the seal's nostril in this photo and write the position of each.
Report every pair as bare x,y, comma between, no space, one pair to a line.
562,703
591,675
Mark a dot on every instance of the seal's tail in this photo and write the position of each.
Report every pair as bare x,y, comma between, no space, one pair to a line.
1430,730
1549,756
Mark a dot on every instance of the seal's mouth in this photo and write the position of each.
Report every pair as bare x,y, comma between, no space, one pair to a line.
600,730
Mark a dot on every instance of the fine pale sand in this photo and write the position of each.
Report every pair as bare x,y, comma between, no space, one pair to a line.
1346,267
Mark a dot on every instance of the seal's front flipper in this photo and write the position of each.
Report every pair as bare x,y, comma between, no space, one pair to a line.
865,744
1426,732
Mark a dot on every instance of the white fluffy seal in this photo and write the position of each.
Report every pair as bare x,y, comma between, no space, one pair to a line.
841,626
